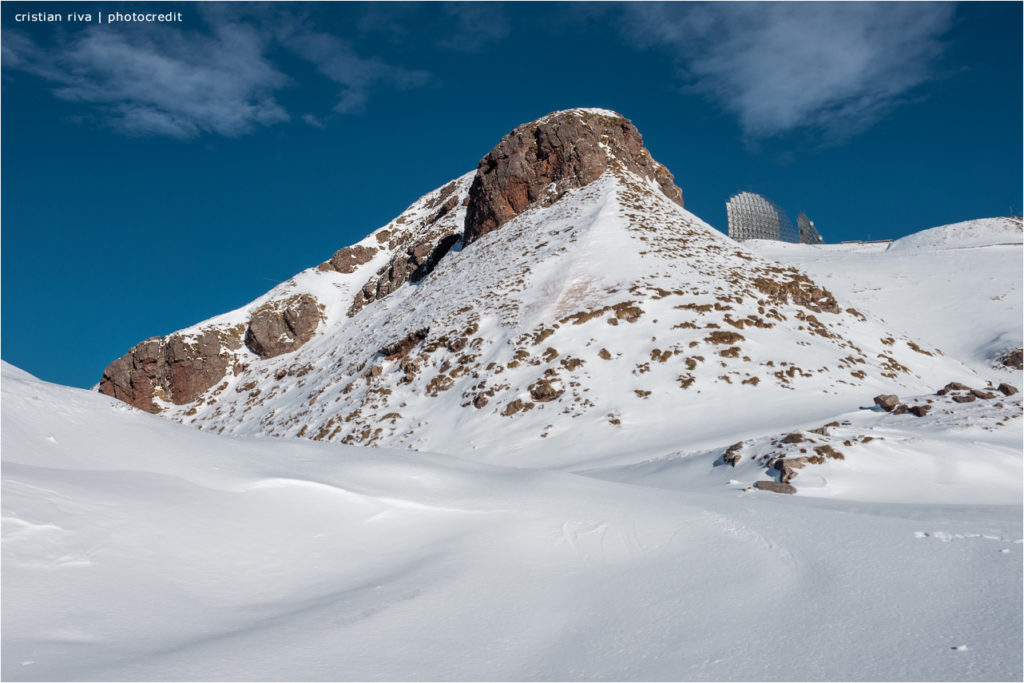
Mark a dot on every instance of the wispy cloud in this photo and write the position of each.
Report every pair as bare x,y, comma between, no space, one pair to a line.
181,83
836,67
458,26
313,120
161,82
337,59
473,26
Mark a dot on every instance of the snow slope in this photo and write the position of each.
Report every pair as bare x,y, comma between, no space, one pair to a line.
957,286
136,548
958,453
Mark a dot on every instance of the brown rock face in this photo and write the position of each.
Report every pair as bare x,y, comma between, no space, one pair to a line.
538,162
283,326
176,368
348,259
411,265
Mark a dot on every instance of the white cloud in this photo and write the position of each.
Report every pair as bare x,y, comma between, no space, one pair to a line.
836,67
162,82
179,83
313,120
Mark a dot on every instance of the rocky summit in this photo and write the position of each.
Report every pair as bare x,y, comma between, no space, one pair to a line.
539,162
559,295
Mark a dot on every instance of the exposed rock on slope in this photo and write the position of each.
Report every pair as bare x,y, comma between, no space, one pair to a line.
282,326
539,161
177,368
348,259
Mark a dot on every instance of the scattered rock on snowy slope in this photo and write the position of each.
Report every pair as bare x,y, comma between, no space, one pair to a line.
775,486
788,468
732,454
887,401
952,386
1012,359
1007,389
542,390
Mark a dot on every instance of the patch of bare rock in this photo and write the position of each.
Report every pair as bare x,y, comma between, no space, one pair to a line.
774,486
283,326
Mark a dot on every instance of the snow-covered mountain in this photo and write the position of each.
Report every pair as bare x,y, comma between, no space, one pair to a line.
551,308
604,392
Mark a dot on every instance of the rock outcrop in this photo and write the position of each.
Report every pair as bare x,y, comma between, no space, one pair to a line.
775,486
1007,389
1013,359
346,260
732,454
177,368
538,162
180,368
411,265
887,402
283,326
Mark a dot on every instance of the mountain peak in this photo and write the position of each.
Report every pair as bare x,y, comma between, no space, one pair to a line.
539,161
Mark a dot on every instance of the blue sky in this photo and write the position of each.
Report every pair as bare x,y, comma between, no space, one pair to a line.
157,175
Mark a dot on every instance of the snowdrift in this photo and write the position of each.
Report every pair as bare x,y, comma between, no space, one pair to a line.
135,548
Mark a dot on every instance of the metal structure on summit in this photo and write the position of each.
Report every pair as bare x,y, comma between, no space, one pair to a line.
753,217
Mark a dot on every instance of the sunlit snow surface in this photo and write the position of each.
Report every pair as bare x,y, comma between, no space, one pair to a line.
957,286
136,548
